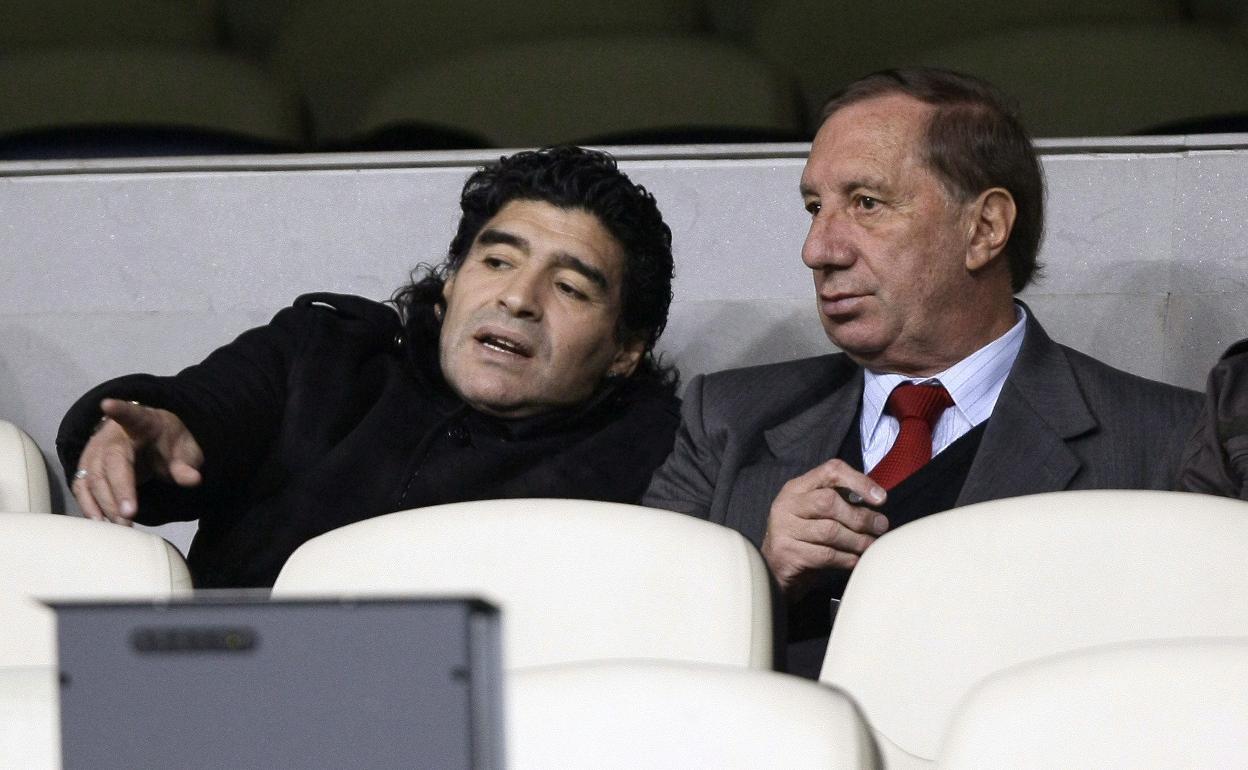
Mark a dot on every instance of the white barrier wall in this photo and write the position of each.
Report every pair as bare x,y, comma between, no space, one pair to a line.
122,266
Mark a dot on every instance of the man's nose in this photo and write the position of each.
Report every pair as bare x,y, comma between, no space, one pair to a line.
520,295
827,243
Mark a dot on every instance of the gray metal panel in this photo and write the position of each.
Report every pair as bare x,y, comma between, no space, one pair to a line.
229,684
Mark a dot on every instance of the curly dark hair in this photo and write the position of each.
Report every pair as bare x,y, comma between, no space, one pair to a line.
975,140
570,178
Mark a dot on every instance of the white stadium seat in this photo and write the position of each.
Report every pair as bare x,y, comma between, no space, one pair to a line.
647,715
938,604
65,557
576,580
1159,704
23,476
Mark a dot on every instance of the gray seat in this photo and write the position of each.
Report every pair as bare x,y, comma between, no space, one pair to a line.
112,91
621,90
337,53
1097,80
826,45
55,23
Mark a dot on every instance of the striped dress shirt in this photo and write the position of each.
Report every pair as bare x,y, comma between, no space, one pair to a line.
974,383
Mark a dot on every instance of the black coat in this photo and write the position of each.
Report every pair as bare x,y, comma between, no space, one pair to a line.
1216,459
334,413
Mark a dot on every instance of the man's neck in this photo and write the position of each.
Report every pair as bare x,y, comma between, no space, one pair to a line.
949,349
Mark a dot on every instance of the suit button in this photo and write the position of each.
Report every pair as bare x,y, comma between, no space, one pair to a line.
458,434
398,341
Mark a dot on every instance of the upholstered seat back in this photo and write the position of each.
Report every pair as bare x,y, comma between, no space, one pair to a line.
1170,703
576,580
646,715
44,556
23,477
938,604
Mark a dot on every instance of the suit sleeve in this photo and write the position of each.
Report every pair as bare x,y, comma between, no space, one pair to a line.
685,482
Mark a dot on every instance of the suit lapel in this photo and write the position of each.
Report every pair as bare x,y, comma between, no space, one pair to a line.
795,444
1041,408
815,434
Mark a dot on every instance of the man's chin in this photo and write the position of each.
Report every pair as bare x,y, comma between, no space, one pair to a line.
502,403
853,337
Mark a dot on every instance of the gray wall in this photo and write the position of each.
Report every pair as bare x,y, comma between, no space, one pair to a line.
114,267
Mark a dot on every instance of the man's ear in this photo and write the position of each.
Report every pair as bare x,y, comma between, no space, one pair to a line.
992,220
439,308
627,357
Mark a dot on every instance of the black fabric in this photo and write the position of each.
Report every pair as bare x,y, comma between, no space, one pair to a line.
333,413
931,489
1215,460
413,136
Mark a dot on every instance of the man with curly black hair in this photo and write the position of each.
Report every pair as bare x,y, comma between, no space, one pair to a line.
522,366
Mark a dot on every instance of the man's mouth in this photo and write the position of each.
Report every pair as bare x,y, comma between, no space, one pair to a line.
503,344
838,303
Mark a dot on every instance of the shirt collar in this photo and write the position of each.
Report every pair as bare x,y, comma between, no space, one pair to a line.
974,382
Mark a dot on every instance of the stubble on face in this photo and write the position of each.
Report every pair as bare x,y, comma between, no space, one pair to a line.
531,313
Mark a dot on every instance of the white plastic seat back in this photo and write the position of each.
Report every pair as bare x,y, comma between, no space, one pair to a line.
30,718
576,580
66,557
1162,704
938,604
646,715
23,476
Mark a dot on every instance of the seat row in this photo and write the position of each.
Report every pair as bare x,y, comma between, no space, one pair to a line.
861,34
1053,630
391,74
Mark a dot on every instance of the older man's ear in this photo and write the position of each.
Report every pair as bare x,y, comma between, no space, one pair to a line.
992,218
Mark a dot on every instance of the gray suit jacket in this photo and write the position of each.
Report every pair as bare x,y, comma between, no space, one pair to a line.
1063,421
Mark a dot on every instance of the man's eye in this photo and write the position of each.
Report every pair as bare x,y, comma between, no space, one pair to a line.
493,262
867,203
570,290
812,207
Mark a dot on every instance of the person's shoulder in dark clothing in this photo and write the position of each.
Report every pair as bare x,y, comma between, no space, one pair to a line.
1216,458
372,323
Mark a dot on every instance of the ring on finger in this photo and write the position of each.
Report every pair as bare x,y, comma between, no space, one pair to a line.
81,473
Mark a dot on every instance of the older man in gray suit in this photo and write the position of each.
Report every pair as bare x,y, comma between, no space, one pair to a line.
926,206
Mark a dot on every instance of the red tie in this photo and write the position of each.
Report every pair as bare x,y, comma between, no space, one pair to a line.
917,408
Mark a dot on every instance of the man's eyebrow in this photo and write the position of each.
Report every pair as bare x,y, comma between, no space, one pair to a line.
573,262
868,182
493,237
